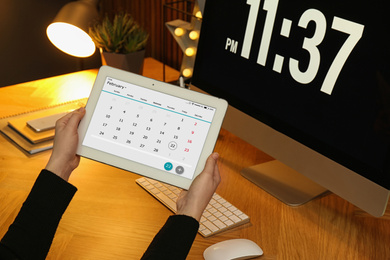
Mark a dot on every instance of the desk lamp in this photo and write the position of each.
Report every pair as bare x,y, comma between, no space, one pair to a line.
69,33
69,29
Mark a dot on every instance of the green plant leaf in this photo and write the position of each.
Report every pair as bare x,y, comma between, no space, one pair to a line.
120,34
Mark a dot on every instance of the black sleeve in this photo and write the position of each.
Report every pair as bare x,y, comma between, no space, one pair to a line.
174,240
31,234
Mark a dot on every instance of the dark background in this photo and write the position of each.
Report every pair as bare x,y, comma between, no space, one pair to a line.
25,51
344,125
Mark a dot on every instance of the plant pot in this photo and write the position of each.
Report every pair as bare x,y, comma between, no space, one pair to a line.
133,62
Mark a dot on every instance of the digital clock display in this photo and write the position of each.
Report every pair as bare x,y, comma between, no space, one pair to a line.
313,70
310,44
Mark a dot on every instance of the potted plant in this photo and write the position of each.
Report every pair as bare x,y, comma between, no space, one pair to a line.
121,42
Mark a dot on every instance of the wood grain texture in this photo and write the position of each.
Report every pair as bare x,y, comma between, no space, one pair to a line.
111,217
30,96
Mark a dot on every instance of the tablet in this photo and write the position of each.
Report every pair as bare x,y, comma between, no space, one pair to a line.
149,127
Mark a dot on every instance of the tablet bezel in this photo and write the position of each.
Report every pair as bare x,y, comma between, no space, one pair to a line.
105,71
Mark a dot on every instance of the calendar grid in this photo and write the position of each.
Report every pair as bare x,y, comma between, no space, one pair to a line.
149,127
145,152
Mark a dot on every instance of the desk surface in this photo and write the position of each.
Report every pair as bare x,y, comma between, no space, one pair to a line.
111,217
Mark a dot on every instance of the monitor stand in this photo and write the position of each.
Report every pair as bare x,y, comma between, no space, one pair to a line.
283,182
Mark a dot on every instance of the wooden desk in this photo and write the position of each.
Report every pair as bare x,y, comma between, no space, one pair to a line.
111,217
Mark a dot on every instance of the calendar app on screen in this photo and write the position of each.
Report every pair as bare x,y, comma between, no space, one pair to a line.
149,127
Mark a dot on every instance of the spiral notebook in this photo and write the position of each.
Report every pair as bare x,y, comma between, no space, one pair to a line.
16,129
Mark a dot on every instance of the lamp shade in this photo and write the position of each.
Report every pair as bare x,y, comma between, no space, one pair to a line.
69,29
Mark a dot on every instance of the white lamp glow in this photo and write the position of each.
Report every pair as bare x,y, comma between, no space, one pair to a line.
70,39
69,29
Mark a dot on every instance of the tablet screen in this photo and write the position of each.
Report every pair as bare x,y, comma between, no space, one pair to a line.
149,127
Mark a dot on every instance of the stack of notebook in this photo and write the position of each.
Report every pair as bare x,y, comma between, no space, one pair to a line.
34,131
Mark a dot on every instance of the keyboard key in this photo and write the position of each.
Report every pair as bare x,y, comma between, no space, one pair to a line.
210,226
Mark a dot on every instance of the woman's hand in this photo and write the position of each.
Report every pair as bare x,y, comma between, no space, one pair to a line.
63,159
194,201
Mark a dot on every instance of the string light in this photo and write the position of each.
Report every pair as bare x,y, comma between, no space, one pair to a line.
187,34
187,73
194,35
179,31
190,52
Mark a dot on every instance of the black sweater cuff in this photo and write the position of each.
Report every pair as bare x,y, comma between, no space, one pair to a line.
31,234
174,240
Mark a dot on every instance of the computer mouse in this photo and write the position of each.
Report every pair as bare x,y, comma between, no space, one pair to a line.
233,249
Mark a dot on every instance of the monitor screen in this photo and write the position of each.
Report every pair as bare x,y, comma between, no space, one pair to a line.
316,71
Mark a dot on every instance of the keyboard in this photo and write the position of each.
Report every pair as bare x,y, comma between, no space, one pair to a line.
219,215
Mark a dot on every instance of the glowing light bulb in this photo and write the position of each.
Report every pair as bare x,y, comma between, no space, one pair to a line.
190,52
179,31
198,14
70,39
193,35
187,73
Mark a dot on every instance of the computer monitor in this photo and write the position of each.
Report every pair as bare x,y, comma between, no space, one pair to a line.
308,82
